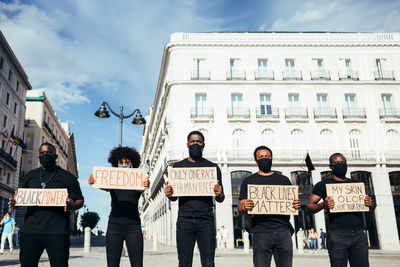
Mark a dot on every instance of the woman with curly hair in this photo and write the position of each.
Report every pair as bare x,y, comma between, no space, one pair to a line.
124,221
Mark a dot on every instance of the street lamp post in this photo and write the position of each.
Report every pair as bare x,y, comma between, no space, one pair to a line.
103,113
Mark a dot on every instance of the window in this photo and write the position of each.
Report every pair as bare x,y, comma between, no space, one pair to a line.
289,63
199,69
5,121
298,143
10,76
237,178
8,177
3,143
15,108
387,105
322,103
201,104
348,68
351,105
8,99
393,140
268,138
327,143
265,104
238,138
1,63
236,103
17,87
11,150
355,143
378,65
262,64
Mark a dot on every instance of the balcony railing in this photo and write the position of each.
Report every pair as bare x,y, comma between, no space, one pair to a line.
239,155
351,113
267,112
384,75
320,75
348,75
392,155
328,113
292,75
296,113
201,113
200,75
359,155
236,75
389,113
7,158
46,126
264,75
236,113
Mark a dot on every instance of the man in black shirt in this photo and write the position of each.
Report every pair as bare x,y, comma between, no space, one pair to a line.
271,233
346,239
195,216
48,227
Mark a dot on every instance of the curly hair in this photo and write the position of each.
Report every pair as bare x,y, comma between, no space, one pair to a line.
120,152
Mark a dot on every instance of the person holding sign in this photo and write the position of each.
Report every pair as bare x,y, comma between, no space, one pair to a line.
195,216
48,227
271,233
346,240
124,221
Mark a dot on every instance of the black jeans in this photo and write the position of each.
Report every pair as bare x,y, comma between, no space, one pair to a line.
116,234
279,244
33,245
346,246
190,229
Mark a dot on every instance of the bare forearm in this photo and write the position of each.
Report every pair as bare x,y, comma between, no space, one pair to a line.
315,207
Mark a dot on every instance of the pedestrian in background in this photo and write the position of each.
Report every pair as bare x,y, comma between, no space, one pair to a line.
322,236
8,224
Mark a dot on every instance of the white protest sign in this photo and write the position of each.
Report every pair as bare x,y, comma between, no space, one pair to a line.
193,181
348,197
56,197
273,199
118,178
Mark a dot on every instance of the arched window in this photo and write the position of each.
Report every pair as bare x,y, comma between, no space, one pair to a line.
355,143
205,133
238,138
268,138
327,143
393,140
298,143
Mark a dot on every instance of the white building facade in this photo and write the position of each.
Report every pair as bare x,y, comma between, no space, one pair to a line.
294,92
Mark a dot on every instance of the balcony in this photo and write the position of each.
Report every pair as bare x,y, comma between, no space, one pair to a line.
296,113
236,75
392,155
47,127
348,75
240,155
202,113
355,155
8,159
325,113
384,75
389,113
354,113
292,75
264,75
320,75
200,75
267,113
235,113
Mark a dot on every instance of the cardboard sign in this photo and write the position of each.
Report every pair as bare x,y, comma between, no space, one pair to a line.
56,197
118,178
273,199
348,197
193,181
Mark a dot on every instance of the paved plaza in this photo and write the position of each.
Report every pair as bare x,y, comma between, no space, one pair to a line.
166,256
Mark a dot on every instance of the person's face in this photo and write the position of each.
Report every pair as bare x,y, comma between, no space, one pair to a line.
338,159
124,161
45,149
8,215
263,153
195,139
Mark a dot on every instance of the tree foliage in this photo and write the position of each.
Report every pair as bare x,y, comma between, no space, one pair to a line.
89,219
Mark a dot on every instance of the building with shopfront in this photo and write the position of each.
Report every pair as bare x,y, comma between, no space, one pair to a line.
295,92
14,85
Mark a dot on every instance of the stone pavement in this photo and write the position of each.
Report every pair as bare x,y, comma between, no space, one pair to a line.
166,257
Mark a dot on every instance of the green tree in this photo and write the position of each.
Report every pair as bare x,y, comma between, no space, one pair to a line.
90,219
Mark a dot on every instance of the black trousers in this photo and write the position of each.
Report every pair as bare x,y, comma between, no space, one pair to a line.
351,246
279,244
33,245
116,234
190,229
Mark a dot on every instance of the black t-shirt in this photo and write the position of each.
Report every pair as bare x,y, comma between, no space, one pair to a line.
340,220
50,220
267,223
197,206
124,207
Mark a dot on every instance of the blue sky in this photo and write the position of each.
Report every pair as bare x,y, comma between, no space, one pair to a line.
86,51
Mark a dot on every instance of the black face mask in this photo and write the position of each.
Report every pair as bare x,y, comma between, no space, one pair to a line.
195,151
48,161
264,164
339,170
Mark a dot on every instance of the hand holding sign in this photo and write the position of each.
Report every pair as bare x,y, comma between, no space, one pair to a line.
218,189
296,203
329,202
168,190
248,204
368,201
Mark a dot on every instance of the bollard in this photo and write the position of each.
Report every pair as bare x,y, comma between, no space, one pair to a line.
86,247
155,241
300,244
246,242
